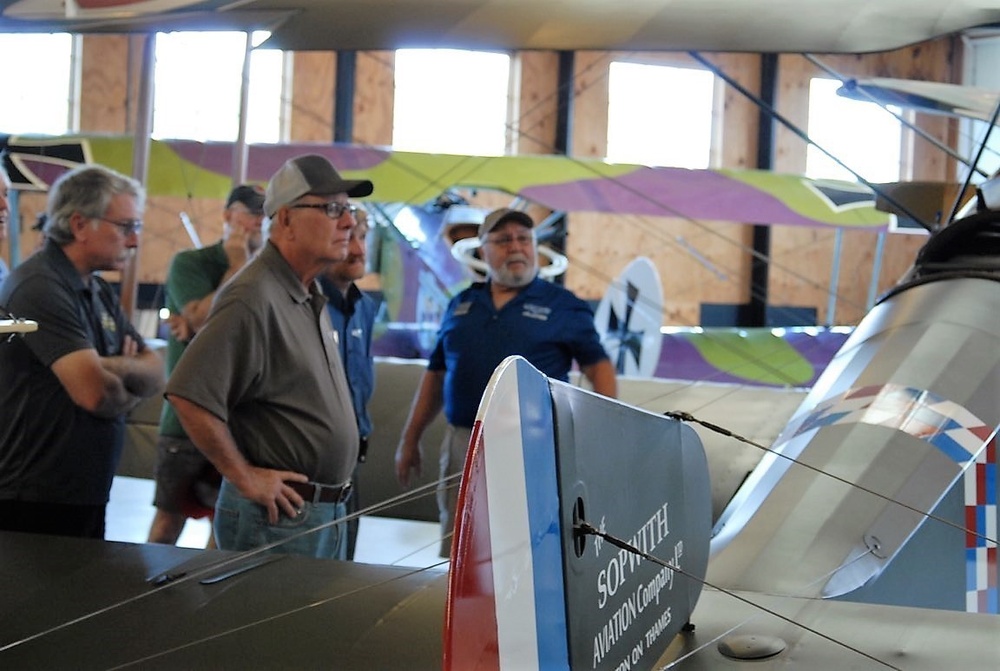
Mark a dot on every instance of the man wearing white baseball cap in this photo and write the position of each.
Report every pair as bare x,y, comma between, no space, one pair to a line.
261,389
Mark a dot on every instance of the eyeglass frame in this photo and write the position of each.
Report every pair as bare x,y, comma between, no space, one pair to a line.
507,239
340,208
126,227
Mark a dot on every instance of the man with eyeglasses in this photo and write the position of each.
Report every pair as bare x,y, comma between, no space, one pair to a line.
261,389
65,388
352,313
187,485
513,312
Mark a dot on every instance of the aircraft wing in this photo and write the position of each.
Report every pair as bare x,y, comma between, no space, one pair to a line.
75,606
88,604
820,634
710,25
202,170
930,97
290,619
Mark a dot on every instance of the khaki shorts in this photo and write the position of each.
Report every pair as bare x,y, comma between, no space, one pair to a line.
453,449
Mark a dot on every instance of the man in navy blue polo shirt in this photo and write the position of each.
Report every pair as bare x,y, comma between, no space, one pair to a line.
513,312
352,314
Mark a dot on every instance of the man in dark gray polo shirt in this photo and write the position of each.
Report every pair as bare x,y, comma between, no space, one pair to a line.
65,388
261,389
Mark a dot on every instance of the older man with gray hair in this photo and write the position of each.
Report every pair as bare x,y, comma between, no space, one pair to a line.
65,388
261,389
513,312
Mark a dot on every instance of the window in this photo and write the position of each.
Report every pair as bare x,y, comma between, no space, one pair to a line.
660,115
39,98
864,136
198,82
983,52
451,102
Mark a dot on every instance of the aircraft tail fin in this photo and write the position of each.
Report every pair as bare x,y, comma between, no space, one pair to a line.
528,592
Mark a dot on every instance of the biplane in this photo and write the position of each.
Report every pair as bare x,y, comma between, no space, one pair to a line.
588,535
416,259
583,535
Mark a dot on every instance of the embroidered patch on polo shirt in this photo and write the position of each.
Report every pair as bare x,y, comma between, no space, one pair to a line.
540,312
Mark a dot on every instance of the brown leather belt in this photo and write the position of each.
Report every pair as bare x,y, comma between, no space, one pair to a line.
314,492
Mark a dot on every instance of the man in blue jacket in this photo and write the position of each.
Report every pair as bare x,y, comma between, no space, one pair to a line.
352,314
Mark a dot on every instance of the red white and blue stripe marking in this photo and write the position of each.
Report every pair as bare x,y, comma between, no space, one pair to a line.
507,573
982,594
959,435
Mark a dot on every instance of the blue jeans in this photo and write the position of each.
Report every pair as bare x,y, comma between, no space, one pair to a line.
241,524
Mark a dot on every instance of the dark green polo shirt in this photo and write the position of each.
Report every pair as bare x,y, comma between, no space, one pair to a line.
193,274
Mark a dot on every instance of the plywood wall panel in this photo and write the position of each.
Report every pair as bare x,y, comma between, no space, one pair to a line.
373,98
312,91
107,64
589,136
735,145
535,113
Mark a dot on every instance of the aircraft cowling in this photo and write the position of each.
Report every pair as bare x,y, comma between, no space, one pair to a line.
907,405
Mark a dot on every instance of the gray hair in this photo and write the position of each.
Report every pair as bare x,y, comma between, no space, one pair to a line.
87,189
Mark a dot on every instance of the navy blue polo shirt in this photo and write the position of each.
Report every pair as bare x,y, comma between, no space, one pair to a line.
544,323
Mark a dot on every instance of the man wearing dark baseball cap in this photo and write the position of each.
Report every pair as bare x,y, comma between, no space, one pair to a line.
262,390
250,195
187,484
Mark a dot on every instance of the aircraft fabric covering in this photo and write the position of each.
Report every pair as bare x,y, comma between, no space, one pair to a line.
203,170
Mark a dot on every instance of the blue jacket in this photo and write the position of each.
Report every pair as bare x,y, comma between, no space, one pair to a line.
353,319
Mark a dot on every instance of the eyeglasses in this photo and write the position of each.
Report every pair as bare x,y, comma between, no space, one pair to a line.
507,240
127,227
333,210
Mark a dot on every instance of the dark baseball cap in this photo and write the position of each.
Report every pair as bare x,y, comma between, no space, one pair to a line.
250,195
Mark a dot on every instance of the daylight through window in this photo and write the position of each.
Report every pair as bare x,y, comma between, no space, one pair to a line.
660,115
37,99
197,89
867,138
451,102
